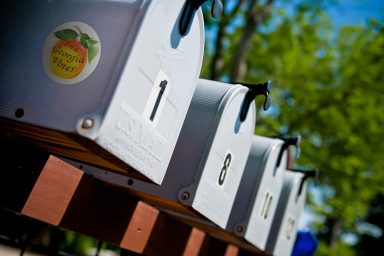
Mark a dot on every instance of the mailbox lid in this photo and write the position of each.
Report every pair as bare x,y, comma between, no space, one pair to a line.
290,207
229,150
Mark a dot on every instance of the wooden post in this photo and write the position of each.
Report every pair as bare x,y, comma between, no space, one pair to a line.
232,250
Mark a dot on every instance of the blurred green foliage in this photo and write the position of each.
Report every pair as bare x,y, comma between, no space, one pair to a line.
77,244
328,86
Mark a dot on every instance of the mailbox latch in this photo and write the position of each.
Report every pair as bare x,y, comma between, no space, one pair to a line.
308,173
295,141
189,10
255,90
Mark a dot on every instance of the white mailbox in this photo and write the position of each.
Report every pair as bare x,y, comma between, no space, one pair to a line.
210,154
291,204
259,191
103,82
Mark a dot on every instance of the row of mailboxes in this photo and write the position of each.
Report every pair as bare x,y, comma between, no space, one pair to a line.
222,171
258,194
259,191
103,82
219,169
264,207
291,204
106,84
211,152
271,196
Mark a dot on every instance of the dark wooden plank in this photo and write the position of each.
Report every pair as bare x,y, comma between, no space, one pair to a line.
169,237
215,231
21,165
98,211
213,246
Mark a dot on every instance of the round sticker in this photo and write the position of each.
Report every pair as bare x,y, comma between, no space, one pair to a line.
71,52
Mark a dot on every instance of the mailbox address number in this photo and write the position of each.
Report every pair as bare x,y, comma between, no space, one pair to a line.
163,85
225,168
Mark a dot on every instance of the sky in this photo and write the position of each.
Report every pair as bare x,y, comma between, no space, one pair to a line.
356,11
344,12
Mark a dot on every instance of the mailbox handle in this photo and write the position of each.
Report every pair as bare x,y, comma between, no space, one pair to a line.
308,173
189,10
295,141
254,90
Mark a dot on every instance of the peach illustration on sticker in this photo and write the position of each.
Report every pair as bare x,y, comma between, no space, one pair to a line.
71,52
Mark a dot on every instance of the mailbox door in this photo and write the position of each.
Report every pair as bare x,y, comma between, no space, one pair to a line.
268,192
225,162
150,104
291,205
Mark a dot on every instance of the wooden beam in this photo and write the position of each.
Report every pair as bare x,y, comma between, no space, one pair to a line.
21,165
43,187
213,246
217,232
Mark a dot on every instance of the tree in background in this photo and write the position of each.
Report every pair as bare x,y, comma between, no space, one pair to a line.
372,239
328,87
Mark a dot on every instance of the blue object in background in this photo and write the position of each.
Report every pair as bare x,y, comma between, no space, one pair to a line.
305,244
